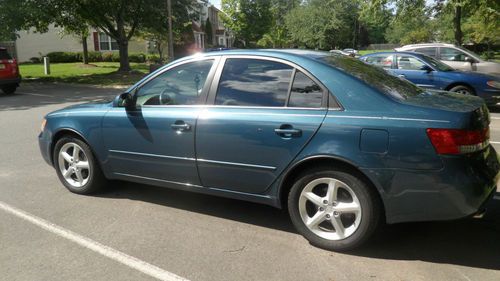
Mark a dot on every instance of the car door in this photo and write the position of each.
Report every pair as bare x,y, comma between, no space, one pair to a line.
155,141
456,59
258,123
410,68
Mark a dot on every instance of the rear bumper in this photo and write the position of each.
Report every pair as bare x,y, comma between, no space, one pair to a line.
459,190
8,81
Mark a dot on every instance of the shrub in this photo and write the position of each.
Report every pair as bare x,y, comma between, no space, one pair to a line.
56,57
35,60
137,57
153,58
94,56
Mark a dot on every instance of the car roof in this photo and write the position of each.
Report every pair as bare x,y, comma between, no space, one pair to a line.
392,53
426,45
277,53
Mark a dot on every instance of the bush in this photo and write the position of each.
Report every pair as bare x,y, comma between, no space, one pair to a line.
35,60
137,57
153,58
56,57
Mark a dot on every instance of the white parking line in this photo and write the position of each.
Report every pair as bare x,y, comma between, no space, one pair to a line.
496,118
90,244
38,95
495,142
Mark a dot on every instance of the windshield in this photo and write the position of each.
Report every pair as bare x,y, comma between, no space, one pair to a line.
437,64
375,77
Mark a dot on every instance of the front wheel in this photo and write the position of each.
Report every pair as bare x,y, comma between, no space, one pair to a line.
77,167
461,89
333,208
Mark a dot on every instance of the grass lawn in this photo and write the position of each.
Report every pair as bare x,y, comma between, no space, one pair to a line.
98,73
365,52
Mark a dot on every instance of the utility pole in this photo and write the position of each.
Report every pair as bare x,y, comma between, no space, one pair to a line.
170,36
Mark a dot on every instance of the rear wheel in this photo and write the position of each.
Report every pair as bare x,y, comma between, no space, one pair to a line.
9,89
333,208
461,89
76,166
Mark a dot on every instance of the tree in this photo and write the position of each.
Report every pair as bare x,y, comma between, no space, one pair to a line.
209,32
411,23
248,19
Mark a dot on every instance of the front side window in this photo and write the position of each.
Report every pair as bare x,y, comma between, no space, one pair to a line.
253,82
181,85
409,63
305,92
384,61
449,54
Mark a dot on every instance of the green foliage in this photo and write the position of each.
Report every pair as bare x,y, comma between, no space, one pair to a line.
411,23
248,19
66,57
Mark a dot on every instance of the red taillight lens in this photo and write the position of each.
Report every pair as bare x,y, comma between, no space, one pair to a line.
456,141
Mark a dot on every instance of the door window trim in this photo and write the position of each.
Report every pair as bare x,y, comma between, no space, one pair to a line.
218,74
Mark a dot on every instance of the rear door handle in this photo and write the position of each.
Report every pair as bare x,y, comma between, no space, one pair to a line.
287,131
180,126
401,76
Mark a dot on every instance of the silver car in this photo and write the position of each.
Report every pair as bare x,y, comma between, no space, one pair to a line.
456,57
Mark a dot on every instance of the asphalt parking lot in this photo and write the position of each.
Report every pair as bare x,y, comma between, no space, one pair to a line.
132,232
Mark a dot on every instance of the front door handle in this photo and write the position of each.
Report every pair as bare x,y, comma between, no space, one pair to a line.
180,126
401,76
287,131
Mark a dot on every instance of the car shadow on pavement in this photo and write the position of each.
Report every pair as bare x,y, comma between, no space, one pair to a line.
467,242
236,210
32,95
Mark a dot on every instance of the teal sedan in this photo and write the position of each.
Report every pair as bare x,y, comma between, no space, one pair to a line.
342,145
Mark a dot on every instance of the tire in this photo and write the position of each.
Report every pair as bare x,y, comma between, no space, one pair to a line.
9,89
83,173
461,89
356,207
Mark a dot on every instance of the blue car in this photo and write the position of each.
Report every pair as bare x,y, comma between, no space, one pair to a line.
429,73
342,145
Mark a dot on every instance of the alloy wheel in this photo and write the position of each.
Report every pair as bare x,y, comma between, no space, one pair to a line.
74,165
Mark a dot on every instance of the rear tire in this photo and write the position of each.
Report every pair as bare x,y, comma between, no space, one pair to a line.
461,89
334,208
9,89
76,166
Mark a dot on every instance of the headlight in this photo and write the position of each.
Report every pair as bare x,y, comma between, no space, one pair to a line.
42,127
494,84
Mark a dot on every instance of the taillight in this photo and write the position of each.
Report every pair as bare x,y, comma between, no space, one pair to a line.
457,141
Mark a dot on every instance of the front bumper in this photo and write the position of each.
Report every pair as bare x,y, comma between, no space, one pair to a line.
45,145
459,190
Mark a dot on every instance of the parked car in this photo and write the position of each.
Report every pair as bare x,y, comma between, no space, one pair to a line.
456,57
350,51
427,72
323,135
9,72
341,52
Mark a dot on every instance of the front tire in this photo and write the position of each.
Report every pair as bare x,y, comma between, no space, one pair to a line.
77,167
333,208
464,90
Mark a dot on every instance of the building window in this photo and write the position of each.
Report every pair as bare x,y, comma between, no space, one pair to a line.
106,43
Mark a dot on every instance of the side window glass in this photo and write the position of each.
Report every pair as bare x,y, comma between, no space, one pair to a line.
305,92
431,52
409,63
181,85
450,54
384,61
253,82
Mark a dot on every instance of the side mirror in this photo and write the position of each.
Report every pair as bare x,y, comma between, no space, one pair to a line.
126,100
426,68
470,60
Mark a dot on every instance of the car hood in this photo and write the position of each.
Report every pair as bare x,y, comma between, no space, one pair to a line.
444,100
91,107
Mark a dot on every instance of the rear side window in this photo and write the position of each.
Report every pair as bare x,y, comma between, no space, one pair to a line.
4,55
253,82
430,51
305,92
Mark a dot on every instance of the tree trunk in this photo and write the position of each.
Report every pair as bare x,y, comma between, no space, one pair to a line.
123,51
85,50
457,25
